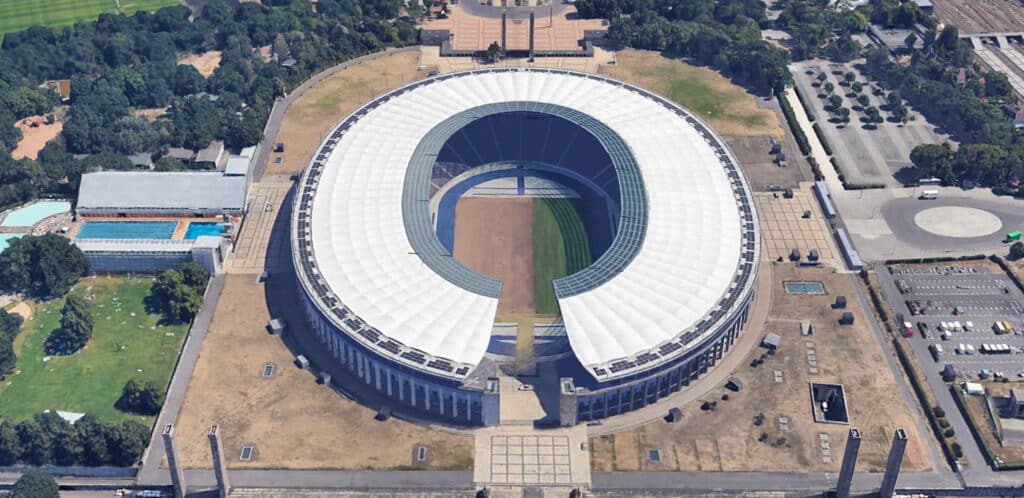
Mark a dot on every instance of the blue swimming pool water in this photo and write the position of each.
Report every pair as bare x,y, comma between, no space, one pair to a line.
126,230
199,228
5,238
27,216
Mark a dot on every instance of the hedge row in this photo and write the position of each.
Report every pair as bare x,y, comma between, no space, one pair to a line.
944,259
798,133
922,398
821,138
818,176
800,97
876,300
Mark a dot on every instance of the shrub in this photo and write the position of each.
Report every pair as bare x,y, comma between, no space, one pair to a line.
949,433
943,423
957,450
798,133
821,138
938,411
143,399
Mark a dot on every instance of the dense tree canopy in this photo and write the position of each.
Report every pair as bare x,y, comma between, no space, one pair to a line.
46,266
141,398
179,293
35,484
49,439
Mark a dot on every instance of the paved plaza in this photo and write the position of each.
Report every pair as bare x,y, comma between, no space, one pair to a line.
251,247
784,228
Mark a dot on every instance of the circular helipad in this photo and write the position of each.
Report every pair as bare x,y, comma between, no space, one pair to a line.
956,221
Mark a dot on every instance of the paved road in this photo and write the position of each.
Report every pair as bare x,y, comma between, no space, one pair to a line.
977,472
281,106
150,472
745,481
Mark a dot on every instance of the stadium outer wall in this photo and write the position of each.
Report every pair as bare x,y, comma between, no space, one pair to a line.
475,400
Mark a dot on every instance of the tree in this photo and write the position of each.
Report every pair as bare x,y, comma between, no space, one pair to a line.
935,160
92,435
35,443
1017,250
7,357
844,114
168,163
829,87
126,442
179,300
45,266
997,84
849,77
835,101
10,445
143,399
857,87
194,275
76,324
494,52
822,77
863,100
35,484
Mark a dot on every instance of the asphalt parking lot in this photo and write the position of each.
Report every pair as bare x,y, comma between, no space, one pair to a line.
969,301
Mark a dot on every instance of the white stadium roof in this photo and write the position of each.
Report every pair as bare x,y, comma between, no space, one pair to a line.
686,264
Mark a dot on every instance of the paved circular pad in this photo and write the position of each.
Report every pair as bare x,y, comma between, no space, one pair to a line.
956,221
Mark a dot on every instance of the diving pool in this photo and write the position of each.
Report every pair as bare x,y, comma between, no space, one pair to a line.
31,214
126,230
197,229
5,238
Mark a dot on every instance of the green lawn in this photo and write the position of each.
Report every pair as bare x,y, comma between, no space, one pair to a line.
16,15
123,342
560,248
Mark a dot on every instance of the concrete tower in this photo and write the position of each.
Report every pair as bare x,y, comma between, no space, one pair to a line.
173,462
532,23
504,29
220,468
892,465
849,462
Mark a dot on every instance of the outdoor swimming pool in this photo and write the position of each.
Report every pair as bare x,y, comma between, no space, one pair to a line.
126,230
200,228
27,216
5,238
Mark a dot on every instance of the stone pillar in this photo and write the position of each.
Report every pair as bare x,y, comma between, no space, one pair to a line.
174,462
892,465
531,35
849,462
220,467
504,29
567,402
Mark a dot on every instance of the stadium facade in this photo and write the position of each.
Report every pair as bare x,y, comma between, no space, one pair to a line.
667,209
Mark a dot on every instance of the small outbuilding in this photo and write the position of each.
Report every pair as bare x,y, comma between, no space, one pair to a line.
301,361
276,326
771,341
674,415
974,388
734,384
806,328
846,319
794,255
812,255
323,378
840,303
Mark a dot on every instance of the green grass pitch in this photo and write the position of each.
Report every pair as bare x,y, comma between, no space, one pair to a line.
560,248
90,380
16,15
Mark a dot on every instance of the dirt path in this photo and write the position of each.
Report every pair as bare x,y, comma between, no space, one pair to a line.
34,139
495,237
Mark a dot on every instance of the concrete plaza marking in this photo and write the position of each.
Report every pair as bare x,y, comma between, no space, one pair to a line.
958,221
530,460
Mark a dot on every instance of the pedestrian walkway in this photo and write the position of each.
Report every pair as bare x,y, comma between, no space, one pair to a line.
817,151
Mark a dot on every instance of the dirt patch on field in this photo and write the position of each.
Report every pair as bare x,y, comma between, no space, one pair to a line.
290,420
22,309
152,113
313,114
206,63
728,108
34,138
769,422
495,237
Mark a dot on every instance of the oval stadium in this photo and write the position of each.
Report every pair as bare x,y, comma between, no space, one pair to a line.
582,235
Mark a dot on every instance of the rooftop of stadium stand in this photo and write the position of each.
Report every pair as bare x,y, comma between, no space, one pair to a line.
676,275
132,190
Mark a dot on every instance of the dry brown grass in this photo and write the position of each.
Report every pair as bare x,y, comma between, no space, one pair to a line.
726,438
313,114
728,108
979,417
34,139
206,63
293,422
494,237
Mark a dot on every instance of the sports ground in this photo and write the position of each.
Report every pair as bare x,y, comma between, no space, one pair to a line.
524,242
16,15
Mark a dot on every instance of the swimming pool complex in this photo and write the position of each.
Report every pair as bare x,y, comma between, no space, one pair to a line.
199,228
31,214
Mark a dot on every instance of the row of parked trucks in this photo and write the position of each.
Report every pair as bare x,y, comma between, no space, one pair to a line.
969,349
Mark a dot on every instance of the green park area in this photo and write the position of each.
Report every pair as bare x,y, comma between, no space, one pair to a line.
128,342
16,15
560,248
